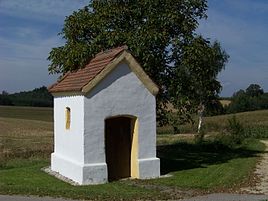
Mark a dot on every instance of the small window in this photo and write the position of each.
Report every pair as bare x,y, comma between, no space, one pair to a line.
67,118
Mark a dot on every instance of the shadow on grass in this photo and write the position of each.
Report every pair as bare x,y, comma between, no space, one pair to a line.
183,155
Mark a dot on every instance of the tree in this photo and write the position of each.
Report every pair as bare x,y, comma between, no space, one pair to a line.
5,93
253,98
240,92
199,64
156,32
5,99
241,102
254,90
39,97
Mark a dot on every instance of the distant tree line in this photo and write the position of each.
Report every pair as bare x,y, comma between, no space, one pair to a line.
39,97
253,98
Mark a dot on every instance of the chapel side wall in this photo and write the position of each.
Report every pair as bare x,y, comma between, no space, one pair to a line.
120,93
69,142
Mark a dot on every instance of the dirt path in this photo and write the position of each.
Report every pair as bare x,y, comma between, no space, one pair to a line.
30,198
228,197
262,173
211,197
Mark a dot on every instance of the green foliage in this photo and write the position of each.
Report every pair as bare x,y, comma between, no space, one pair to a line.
39,97
236,130
256,132
159,34
197,70
199,137
147,27
252,99
234,135
215,107
254,90
240,103
200,64
5,99
180,116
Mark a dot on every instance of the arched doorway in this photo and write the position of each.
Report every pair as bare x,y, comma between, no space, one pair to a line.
121,147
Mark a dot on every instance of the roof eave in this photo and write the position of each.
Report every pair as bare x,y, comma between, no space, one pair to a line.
67,93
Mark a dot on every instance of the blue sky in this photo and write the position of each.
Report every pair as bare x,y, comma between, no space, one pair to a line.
241,26
28,31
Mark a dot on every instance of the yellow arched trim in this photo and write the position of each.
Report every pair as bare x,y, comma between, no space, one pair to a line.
124,57
67,118
134,168
134,150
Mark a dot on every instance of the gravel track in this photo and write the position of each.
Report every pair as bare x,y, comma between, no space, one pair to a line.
211,197
261,172
29,198
228,197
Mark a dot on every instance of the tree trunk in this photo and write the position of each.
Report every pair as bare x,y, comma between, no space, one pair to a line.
201,109
200,123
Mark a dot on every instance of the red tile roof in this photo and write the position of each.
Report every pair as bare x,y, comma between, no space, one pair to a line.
76,80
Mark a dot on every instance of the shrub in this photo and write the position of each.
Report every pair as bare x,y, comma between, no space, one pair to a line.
256,131
236,130
233,135
199,138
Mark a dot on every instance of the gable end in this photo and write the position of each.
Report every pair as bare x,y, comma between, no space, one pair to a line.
124,57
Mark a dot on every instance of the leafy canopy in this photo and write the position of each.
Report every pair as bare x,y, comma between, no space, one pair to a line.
254,90
160,34
253,98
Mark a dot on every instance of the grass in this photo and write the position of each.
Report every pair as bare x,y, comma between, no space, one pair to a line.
28,179
30,113
26,144
23,138
255,120
208,165
225,102
25,132
204,166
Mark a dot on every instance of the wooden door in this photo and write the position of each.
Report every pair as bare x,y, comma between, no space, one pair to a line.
118,147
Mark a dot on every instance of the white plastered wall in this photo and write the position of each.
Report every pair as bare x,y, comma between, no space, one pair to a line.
120,93
80,152
68,156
